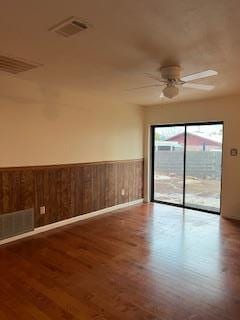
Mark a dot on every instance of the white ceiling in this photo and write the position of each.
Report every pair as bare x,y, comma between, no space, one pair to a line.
128,39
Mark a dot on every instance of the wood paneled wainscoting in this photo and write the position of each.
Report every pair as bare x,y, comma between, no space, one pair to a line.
70,190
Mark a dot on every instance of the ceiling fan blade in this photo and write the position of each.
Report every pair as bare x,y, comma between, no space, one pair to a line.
149,86
199,75
199,86
151,76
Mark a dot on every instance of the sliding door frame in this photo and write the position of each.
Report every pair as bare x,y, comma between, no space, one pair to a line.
185,125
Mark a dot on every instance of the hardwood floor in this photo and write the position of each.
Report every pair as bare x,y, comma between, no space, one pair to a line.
146,262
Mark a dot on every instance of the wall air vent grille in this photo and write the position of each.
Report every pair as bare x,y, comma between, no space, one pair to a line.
15,223
15,65
69,27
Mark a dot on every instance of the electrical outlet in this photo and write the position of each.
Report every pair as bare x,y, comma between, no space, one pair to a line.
42,210
123,192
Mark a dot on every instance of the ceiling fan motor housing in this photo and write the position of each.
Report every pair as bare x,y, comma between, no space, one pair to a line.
170,72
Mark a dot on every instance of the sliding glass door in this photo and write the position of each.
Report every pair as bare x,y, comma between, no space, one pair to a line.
203,166
168,164
187,165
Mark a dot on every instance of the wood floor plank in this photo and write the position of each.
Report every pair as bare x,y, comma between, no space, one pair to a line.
149,261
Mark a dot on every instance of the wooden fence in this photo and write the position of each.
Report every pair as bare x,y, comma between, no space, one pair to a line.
200,164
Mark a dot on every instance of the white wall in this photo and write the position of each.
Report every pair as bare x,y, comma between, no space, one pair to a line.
47,125
226,109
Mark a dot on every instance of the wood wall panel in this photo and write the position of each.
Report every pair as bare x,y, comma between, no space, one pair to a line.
87,198
77,190
111,185
16,190
139,180
70,190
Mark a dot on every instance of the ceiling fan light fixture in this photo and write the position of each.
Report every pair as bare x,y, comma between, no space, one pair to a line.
170,91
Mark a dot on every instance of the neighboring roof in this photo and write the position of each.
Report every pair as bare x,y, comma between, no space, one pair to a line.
200,139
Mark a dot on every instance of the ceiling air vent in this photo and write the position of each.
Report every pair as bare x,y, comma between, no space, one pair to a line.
15,65
69,27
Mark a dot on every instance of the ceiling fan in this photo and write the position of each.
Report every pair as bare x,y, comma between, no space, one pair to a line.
171,80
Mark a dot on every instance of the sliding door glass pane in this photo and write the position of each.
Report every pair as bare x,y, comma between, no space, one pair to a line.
203,166
168,164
